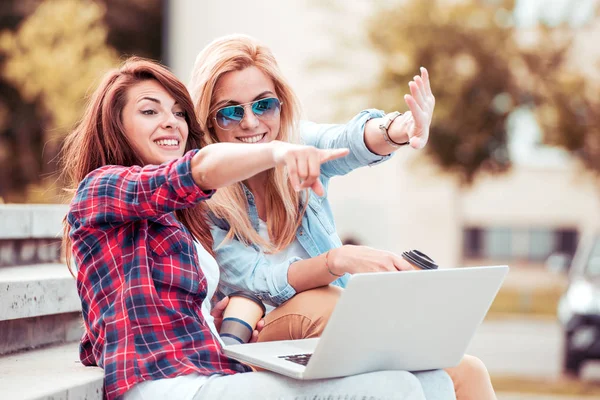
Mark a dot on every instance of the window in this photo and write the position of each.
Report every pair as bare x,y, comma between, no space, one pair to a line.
472,242
541,244
593,265
498,243
506,243
566,241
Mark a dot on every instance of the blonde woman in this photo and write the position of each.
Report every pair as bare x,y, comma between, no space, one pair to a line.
269,236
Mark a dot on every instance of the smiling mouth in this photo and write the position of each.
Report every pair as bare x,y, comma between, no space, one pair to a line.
168,143
252,139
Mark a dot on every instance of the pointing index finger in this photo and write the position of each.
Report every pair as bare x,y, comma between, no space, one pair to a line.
332,154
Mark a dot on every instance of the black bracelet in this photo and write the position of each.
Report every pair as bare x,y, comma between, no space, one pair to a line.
327,265
389,118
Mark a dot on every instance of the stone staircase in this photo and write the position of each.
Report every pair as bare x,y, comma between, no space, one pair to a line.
40,318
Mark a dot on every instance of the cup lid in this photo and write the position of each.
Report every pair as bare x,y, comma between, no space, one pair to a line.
420,259
249,296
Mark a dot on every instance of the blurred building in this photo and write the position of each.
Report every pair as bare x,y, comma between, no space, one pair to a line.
520,218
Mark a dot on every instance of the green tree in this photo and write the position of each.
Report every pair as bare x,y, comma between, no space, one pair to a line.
481,71
470,57
51,54
52,59
567,105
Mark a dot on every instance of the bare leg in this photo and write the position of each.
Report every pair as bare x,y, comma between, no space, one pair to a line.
471,380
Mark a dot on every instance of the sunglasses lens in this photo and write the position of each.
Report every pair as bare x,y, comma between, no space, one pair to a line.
229,117
266,108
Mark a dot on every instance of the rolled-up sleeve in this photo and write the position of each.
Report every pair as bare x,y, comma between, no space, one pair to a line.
118,193
350,135
246,268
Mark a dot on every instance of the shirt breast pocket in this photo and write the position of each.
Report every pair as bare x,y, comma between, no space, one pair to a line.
315,205
173,253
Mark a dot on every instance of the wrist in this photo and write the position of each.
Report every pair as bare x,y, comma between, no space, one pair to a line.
372,125
276,149
398,132
385,128
331,264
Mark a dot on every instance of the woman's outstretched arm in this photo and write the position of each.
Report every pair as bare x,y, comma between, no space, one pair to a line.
222,164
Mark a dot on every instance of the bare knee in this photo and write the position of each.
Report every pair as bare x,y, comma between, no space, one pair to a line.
473,367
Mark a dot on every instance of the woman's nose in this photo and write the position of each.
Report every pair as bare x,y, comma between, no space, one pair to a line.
250,120
170,121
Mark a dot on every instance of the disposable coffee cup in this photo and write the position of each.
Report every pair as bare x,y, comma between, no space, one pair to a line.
419,260
240,317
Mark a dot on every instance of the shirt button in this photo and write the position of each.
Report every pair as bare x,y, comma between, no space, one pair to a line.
301,232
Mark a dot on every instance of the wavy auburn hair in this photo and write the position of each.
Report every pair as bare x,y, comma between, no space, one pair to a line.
99,138
235,53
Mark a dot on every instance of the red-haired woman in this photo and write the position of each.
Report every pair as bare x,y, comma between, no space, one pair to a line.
145,283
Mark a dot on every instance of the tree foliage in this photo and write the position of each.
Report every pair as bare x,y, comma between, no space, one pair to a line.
567,100
55,55
51,54
480,72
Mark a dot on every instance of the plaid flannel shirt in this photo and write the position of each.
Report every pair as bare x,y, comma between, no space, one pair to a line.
139,281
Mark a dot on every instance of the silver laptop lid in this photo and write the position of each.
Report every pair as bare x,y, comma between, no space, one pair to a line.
415,320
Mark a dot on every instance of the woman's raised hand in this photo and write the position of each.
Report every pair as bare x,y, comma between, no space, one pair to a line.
354,259
304,163
416,122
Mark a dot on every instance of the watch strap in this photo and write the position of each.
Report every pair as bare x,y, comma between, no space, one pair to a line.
385,124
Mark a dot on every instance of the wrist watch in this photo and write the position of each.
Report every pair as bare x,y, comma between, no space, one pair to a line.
385,124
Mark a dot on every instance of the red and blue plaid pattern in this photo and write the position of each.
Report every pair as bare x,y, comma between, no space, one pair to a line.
139,281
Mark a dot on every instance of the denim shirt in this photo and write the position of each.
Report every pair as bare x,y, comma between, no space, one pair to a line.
245,267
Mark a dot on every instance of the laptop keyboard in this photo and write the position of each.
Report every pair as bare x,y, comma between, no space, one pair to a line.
301,359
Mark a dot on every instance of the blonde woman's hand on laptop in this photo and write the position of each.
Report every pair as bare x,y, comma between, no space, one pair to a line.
354,259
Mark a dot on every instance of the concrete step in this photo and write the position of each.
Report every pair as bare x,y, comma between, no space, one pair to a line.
36,290
49,373
30,233
29,333
39,306
29,251
22,221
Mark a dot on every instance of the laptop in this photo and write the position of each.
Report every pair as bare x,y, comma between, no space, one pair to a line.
409,320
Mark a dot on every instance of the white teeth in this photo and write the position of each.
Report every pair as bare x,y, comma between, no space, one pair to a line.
167,142
251,139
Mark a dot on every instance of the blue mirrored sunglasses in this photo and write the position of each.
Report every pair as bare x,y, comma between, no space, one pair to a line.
230,117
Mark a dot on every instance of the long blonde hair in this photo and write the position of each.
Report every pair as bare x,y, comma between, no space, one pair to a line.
235,53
